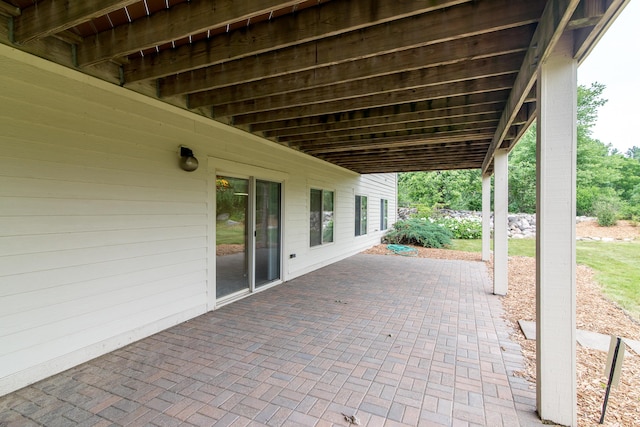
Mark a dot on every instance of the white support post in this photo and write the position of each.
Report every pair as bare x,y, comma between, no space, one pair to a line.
500,222
486,217
556,236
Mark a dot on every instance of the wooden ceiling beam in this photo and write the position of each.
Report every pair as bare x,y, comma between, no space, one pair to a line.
412,167
555,18
468,87
190,18
377,86
586,37
443,125
398,141
444,25
357,161
587,14
431,151
48,17
449,152
396,169
387,114
237,82
418,163
427,118
7,9
417,78
180,21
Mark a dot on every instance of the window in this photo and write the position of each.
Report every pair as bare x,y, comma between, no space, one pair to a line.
384,214
320,217
361,215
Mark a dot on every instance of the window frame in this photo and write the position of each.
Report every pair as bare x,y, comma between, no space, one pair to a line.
322,241
384,214
361,226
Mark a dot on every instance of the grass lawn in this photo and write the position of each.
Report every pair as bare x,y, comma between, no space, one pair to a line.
519,247
227,235
617,265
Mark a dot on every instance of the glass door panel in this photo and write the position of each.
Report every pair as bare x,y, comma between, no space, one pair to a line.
232,213
267,235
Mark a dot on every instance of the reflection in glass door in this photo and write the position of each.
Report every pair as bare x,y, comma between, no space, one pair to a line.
267,235
232,213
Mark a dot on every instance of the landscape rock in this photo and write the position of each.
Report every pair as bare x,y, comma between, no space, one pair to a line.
519,226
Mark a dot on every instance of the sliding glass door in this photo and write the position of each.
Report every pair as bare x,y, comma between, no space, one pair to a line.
232,238
248,234
267,235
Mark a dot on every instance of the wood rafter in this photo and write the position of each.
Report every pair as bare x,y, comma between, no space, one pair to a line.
414,79
461,88
438,118
254,81
389,114
49,16
172,24
397,141
459,122
470,18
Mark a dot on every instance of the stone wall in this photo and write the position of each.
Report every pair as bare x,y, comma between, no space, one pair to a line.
520,226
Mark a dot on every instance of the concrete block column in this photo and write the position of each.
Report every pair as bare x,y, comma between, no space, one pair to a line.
500,222
486,217
556,236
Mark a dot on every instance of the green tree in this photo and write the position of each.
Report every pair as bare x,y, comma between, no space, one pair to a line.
602,173
522,174
457,189
633,153
599,170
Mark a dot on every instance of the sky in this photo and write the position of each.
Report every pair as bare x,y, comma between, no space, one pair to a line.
615,62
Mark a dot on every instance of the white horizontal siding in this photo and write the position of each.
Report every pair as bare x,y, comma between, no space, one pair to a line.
103,239
101,235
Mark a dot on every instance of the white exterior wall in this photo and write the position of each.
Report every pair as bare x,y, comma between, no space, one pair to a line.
103,239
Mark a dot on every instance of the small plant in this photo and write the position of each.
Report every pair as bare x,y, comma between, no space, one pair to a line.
606,209
418,232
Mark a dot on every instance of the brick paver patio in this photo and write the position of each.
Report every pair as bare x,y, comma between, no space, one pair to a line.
394,341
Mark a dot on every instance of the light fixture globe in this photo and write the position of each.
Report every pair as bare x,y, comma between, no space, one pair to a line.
187,161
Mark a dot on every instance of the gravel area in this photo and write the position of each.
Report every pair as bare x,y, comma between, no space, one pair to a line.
594,312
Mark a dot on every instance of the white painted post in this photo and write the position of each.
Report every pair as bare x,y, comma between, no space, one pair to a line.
556,236
486,217
500,222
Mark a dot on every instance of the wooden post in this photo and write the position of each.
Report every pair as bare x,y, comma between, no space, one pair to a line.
486,217
500,208
556,236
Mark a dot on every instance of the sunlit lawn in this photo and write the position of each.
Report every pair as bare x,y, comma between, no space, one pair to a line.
227,235
617,265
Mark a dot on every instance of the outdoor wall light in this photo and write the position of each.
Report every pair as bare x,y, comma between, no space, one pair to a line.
187,161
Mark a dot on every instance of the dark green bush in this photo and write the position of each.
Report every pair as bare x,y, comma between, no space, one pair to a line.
418,232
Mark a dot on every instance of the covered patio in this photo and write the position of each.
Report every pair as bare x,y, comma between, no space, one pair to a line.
107,240
395,341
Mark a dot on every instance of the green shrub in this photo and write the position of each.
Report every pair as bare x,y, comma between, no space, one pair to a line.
462,228
631,209
606,208
423,212
585,199
418,232
630,212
